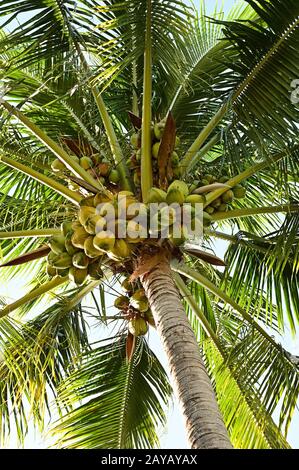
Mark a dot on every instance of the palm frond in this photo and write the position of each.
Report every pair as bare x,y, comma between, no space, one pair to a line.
268,383
263,70
249,424
195,99
35,356
245,409
18,214
123,410
275,377
266,267
45,36
123,24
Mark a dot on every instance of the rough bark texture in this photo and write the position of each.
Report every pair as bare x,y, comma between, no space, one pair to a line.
204,424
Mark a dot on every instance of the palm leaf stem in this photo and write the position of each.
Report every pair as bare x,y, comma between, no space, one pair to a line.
236,239
200,140
273,50
203,281
58,151
123,415
135,108
82,293
188,297
197,144
221,235
146,143
45,232
113,141
247,173
114,144
204,150
43,289
72,196
237,213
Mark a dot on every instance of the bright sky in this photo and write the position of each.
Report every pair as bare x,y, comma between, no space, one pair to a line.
173,436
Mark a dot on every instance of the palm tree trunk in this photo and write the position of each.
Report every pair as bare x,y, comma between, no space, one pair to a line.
204,424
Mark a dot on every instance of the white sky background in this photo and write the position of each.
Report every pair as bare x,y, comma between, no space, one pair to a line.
173,436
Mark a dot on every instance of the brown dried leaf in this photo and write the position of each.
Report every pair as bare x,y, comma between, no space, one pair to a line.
166,148
36,254
83,184
130,346
135,120
79,147
169,172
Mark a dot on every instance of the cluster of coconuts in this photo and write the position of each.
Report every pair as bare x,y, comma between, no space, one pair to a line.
134,305
134,162
178,193
97,165
87,243
222,203
69,259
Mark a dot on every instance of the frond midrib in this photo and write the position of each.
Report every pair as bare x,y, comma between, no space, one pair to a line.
261,64
121,441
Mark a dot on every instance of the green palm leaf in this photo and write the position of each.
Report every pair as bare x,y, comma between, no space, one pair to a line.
121,412
266,267
34,358
197,97
244,410
249,424
265,63
259,392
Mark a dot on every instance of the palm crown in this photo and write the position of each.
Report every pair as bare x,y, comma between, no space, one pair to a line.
144,98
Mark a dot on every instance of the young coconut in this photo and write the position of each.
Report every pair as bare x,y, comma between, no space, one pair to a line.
139,301
181,186
94,271
57,166
62,261
228,196
66,227
156,195
51,271
175,195
70,248
239,191
90,250
86,163
95,224
155,150
78,276
122,302
79,236
138,326
85,213
80,260
135,140
57,244
120,250
114,176
126,285
104,240
87,201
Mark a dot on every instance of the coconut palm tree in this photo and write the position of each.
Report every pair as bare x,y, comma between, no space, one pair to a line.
151,100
